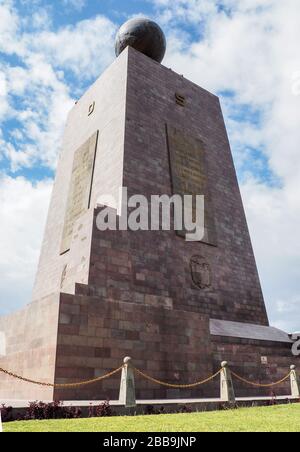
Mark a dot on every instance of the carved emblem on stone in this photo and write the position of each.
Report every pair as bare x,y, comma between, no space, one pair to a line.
201,272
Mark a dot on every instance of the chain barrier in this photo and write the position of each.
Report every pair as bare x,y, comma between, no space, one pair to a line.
67,385
169,385
147,377
259,385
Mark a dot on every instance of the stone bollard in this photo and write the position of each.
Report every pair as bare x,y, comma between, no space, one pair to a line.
295,384
227,390
127,388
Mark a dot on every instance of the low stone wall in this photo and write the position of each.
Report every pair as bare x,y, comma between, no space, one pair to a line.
29,349
247,358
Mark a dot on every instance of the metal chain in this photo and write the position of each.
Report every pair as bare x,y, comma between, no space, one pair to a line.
145,376
67,385
169,385
259,385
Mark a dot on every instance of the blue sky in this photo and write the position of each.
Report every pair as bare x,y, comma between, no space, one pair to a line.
58,16
243,50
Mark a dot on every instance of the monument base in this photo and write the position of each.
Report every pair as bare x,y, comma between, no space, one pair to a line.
92,338
85,337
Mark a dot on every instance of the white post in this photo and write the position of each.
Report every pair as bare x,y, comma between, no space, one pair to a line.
127,388
227,390
295,385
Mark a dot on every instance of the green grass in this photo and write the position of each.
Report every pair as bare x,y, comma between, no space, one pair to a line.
283,418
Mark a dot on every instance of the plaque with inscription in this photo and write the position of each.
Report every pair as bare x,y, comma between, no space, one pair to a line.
80,188
189,176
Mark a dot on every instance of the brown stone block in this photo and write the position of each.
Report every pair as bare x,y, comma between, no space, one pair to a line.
148,337
65,319
132,335
102,352
111,363
72,340
103,333
71,330
85,330
77,373
70,308
95,321
81,320
73,350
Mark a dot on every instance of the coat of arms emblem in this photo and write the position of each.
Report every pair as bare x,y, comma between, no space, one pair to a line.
201,272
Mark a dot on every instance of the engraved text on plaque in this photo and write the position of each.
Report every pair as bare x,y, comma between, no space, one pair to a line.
189,176
80,188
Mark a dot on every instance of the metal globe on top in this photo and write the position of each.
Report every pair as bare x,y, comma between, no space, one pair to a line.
143,35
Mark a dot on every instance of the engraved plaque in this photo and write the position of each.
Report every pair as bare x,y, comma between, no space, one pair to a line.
80,188
189,176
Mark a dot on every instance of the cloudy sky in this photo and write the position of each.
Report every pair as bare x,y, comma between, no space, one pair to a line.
246,51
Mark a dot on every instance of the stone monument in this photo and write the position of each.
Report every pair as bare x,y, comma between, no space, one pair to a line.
178,308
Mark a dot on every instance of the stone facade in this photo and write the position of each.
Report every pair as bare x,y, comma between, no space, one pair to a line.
58,272
246,358
134,293
95,335
30,350
164,258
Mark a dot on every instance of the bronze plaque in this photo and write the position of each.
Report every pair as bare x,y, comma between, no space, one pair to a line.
189,176
80,188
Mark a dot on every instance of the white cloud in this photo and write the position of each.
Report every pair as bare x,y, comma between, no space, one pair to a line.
191,11
23,208
4,107
39,91
41,113
85,48
9,24
77,4
273,217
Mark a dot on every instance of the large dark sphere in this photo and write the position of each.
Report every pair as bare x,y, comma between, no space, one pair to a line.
143,35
